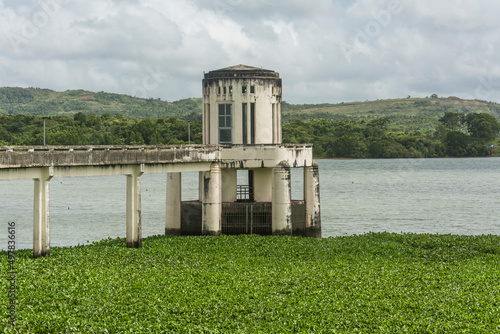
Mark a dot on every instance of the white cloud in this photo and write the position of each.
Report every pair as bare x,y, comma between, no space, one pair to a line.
329,51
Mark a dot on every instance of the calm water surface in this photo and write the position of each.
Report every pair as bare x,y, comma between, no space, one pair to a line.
458,196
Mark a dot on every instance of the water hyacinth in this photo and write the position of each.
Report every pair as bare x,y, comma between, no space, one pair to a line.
371,283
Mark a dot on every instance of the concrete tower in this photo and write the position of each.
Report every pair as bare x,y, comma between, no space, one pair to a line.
241,105
247,186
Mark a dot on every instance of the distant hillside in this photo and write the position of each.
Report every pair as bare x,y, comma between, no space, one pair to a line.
408,115
45,102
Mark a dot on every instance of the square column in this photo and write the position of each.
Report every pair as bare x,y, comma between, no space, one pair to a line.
41,217
229,185
173,211
211,202
311,198
282,200
134,228
263,184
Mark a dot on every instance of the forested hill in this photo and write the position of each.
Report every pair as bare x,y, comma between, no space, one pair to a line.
406,115
45,102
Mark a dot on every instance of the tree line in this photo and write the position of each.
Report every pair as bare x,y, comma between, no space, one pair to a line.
91,129
457,135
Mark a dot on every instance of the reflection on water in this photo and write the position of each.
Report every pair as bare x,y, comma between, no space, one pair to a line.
459,196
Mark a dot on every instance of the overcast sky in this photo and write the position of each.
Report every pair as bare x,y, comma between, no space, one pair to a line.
325,50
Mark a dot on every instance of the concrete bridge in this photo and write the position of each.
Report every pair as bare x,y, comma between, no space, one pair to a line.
42,163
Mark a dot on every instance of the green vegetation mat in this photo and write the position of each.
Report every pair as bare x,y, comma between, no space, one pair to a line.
372,283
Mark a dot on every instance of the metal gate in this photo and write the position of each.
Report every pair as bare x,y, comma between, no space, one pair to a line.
247,218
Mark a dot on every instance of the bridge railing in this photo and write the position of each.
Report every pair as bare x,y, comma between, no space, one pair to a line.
50,148
95,155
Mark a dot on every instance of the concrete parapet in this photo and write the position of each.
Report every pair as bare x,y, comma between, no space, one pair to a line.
60,156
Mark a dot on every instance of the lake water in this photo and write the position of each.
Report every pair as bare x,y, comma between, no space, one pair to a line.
458,196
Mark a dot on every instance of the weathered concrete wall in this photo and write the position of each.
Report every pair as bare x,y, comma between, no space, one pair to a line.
229,184
263,184
266,156
282,200
312,199
191,216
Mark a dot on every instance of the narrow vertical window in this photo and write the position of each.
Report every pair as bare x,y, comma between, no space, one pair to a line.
252,123
208,123
244,89
218,90
244,107
204,119
274,122
224,90
252,89
225,123
231,90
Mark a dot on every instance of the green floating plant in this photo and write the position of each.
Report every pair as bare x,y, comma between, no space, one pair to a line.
371,283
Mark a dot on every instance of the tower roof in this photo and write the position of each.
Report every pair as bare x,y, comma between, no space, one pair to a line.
241,71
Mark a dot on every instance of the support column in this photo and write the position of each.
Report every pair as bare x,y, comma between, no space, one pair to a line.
263,184
311,197
200,185
211,202
41,217
134,228
173,214
229,181
282,200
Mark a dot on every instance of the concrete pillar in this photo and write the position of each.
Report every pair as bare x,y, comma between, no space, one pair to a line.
211,202
173,212
134,228
229,185
282,200
200,186
41,217
263,184
311,198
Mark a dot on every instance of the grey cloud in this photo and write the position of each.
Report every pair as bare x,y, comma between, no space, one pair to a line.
328,51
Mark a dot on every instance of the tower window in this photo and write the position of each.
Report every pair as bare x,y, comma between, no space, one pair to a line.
225,123
252,123
218,90
244,107
252,89
231,90
244,89
224,89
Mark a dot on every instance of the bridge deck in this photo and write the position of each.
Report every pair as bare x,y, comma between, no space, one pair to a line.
235,156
